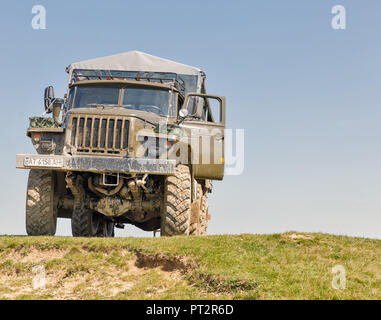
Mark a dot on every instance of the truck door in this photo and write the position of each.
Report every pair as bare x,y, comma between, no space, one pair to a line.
205,126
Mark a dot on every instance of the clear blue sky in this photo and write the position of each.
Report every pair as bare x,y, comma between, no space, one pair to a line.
307,96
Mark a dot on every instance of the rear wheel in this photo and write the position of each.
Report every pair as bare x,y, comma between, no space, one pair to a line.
175,216
200,216
110,229
204,214
106,229
41,214
85,222
195,223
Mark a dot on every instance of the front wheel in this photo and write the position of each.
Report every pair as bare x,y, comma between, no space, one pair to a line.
175,215
41,214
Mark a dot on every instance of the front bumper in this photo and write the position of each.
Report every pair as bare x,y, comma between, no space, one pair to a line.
95,164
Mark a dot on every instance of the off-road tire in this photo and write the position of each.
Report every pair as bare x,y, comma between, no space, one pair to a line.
195,223
82,222
106,229
41,216
175,215
204,214
109,229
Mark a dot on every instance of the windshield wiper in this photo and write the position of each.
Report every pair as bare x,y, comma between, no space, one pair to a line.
109,105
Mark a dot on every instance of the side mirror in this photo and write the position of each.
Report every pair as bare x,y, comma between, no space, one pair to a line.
48,99
183,113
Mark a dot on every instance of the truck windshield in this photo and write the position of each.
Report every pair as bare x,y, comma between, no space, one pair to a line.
90,96
149,100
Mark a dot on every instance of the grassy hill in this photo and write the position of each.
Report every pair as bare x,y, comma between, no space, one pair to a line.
279,266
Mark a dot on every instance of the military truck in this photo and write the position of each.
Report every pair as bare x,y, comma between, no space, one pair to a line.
135,140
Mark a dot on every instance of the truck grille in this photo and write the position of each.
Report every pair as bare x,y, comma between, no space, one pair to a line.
94,134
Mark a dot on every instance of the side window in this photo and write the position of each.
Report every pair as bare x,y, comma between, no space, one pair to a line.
213,110
71,98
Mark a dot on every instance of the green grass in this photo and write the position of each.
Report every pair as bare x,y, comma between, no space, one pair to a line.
278,266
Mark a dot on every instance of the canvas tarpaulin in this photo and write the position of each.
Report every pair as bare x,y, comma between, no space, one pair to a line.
138,61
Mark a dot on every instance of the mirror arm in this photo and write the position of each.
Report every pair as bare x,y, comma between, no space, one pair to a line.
180,120
57,106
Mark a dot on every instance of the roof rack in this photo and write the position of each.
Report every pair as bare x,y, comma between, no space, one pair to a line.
158,77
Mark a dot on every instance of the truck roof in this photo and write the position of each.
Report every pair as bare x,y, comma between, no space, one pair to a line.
136,61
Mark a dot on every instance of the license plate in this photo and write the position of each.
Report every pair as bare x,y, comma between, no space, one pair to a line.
43,162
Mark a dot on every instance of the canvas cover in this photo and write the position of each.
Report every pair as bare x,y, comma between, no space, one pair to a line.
136,61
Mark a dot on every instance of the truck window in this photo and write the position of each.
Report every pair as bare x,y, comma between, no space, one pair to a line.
90,96
71,98
149,100
213,110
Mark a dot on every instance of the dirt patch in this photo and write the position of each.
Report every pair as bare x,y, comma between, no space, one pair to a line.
37,256
83,274
164,262
296,236
217,284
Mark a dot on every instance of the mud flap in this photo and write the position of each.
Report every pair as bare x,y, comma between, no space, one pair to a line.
195,212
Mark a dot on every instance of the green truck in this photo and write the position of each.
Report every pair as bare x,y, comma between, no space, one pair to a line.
135,140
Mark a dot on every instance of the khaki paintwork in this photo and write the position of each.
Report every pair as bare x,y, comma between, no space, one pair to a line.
207,159
181,137
205,163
